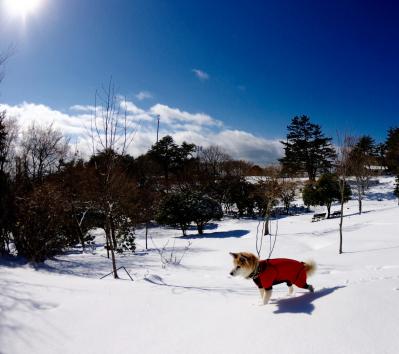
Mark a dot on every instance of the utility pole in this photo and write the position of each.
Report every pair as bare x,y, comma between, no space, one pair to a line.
158,117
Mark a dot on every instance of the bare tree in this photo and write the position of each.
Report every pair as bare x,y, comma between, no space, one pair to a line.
3,58
9,134
287,193
270,189
212,159
360,161
269,192
237,168
345,146
171,255
43,149
111,135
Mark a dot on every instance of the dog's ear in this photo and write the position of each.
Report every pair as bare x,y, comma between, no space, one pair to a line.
243,258
234,255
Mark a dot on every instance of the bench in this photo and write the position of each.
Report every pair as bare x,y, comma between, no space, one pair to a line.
336,214
318,217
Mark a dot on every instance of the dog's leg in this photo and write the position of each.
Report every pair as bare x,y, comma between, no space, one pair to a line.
261,292
290,290
267,294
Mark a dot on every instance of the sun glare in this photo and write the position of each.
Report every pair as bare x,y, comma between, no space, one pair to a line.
22,8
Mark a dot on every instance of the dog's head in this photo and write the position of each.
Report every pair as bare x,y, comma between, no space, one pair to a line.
244,263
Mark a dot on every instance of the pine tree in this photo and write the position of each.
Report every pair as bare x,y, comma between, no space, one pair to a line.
170,157
306,149
367,146
392,150
396,190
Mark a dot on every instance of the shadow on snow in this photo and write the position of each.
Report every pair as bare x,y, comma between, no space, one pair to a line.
303,303
14,296
217,234
178,289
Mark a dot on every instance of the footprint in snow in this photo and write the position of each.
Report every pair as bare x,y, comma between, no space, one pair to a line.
45,306
155,279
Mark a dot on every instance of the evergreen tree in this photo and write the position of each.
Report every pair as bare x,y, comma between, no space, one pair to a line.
173,211
203,209
324,192
367,144
392,150
309,194
396,190
170,157
380,150
180,208
306,149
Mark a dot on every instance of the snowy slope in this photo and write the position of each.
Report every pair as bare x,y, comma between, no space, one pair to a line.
62,306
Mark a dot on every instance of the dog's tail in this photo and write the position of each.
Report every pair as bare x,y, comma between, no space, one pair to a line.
310,267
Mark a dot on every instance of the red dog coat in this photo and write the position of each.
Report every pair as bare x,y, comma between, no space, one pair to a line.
280,270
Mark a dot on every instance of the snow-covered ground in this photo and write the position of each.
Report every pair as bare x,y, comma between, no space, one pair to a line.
63,307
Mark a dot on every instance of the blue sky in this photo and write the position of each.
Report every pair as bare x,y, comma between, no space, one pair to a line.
265,61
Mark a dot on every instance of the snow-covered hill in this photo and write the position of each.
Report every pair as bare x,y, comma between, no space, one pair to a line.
63,307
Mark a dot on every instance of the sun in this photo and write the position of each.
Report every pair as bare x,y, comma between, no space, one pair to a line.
22,8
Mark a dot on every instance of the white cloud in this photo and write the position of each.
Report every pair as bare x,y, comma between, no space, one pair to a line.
27,113
200,74
143,95
82,108
170,116
246,146
198,128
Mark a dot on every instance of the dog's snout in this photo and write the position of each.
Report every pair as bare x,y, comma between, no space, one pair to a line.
231,273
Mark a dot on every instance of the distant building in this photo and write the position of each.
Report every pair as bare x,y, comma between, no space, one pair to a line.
380,170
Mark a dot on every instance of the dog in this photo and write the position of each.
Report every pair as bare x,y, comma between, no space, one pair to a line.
269,272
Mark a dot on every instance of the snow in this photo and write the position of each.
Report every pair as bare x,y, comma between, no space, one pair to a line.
196,307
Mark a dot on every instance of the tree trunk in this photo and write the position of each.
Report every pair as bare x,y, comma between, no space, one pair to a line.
114,264
146,235
267,218
342,217
311,175
107,239
200,228
112,247
328,210
183,229
80,233
359,195
112,226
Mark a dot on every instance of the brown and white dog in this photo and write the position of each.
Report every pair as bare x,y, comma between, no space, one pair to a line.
269,272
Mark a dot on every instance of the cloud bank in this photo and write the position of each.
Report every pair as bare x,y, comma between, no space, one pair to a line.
198,128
